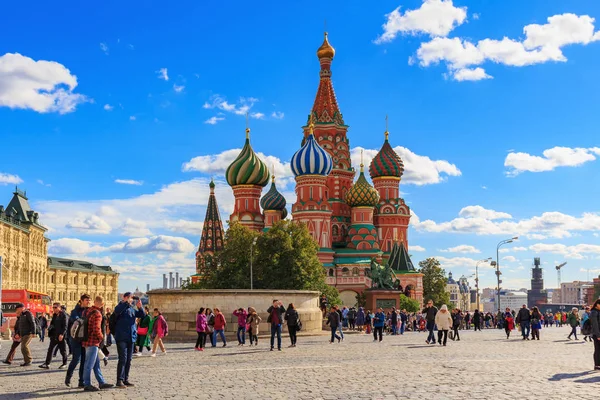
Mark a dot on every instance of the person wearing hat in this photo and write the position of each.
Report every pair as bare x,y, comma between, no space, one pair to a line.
125,335
16,342
443,320
26,332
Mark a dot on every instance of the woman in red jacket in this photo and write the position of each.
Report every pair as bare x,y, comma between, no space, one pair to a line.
220,325
160,329
509,322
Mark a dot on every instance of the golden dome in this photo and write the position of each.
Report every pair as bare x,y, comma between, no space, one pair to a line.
326,50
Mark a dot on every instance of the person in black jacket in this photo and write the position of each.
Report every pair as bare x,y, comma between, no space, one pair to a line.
524,320
276,312
595,321
16,342
394,321
292,318
430,311
333,320
27,332
43,322
57,332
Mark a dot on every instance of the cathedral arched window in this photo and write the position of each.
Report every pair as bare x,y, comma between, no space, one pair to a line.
345,271
355,271
331,273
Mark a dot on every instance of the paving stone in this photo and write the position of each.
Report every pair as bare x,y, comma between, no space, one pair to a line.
483,365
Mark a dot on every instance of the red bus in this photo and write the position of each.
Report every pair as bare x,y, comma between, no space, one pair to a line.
37,303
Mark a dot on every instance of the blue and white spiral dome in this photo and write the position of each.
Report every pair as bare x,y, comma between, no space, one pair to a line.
311,159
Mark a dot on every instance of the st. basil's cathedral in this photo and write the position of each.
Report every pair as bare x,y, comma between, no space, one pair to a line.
352,222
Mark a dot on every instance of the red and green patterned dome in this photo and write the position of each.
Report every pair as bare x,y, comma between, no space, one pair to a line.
387,162
362,194
247,168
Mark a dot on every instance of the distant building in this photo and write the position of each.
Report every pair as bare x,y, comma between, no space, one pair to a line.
464,299
537,295
591,292
574,292
453,288
510,299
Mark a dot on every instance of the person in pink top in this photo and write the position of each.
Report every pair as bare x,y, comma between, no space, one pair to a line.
201,328
242,316
160,329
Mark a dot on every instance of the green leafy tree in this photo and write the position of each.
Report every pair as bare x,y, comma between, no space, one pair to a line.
361,299
284,257
434,282
408,304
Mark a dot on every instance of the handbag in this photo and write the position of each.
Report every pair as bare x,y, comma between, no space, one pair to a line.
142,331
299,325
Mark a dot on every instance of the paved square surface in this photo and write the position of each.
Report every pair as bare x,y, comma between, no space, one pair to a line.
483,365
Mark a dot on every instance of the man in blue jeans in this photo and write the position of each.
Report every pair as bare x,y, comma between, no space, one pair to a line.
125,335
95,339
276,312
429,312
78,351
403,320
524,320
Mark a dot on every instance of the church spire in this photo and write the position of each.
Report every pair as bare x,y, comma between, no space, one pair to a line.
325,108
211,240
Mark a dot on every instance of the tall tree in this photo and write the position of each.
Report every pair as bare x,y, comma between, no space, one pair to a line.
284,257
434,282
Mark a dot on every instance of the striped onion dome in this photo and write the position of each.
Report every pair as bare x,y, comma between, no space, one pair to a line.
247,168
387,162
311,159
273,200
362,194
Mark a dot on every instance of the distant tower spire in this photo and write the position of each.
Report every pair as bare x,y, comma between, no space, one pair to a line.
211,240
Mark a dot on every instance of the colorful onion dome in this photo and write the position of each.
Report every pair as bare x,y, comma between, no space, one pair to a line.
326,50
387,162
311,159
362,194
247,168
273,200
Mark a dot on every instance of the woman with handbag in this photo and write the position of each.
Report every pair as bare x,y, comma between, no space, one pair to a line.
536,323
253,323
143,339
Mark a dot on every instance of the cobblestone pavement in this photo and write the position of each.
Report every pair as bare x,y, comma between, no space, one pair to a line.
483,365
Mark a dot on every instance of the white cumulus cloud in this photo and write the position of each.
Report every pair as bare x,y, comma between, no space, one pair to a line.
64,246
42,86
481,212
434,18
163,74
9,179
129,182
159,243
518,162
463,248
90,224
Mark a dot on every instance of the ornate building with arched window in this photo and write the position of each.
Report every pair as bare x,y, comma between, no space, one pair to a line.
26,265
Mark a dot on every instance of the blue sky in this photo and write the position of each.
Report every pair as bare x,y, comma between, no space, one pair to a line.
492,106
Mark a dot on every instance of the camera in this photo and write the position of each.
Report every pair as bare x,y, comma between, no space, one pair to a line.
136,298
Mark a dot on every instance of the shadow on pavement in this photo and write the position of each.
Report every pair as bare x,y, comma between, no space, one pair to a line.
595,379
21,372
39,394
560,377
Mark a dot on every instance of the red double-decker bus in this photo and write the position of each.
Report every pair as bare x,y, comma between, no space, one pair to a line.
37,303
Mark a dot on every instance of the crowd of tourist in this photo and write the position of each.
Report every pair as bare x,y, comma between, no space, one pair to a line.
87,332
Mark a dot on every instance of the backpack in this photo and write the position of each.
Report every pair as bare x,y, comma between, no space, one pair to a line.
586,329
79,331
112,321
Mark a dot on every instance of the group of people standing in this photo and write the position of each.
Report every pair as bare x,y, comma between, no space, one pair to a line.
212,324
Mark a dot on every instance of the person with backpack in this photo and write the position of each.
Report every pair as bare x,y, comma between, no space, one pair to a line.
293,320
253,321
586,327
77,349
57,332
573,320
160,329
276,312
122,325
220,324
27,331
93,338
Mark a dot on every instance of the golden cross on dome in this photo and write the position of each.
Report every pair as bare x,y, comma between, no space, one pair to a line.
247,127
311,126
362,166
387,134
273,173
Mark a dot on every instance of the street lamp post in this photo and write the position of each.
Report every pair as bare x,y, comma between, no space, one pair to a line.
498,273
477,278
251,276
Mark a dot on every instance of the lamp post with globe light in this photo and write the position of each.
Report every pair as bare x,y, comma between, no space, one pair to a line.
498,273
477,278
